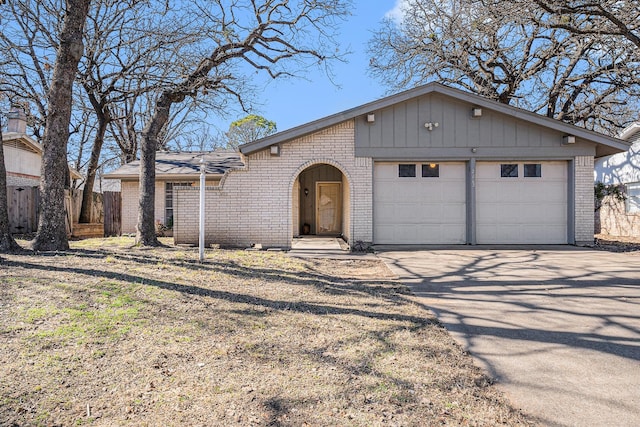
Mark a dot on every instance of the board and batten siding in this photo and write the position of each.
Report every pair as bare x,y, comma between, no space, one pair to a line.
399,132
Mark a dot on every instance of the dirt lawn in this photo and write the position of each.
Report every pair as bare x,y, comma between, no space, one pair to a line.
106,334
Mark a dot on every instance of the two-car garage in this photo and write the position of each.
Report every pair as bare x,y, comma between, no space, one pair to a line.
506,202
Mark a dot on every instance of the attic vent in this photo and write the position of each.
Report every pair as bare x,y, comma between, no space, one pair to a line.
19,145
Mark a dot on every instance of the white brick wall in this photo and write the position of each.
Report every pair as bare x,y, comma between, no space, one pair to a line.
130,198
584,200
129,193
255,204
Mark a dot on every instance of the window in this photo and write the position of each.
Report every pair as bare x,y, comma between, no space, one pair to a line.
431,170
532,170
407,171
509,170
633,197
168,200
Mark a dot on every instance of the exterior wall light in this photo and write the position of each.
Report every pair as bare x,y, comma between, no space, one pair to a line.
476,112
431,126
275,150
568,139
371,118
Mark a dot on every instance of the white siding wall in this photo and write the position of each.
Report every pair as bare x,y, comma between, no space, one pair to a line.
22,162
621,168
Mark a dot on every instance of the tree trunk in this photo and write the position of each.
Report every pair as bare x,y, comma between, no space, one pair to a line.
7,243
92,168
146,227
52,234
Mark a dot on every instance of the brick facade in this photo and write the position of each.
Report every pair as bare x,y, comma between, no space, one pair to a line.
130,193
584,200
255,205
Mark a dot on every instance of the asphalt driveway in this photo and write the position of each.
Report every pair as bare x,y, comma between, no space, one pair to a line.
558,327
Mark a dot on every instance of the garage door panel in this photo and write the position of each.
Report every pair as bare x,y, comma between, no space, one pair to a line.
487,171
555,173
386,171
419,210
509,192
487,194
521,209
453,213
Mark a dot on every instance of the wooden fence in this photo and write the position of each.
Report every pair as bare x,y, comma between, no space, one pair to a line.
96,213
24,202
112,202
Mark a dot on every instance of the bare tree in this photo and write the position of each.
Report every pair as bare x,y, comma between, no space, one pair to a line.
122,42
604,17
51,233
502,50
28,41
266,35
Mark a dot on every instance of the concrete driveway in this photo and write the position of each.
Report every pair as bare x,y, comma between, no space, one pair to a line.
557,327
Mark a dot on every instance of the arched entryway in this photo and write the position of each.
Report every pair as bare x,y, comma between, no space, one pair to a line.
321,202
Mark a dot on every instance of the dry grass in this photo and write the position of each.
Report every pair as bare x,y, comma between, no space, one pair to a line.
110,335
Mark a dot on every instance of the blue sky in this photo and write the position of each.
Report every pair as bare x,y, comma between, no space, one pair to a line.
293,102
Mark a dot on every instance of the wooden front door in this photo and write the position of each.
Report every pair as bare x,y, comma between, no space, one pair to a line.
328,208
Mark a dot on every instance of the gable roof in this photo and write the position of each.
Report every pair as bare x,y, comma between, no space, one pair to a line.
21,141
631,133
605,144
183,164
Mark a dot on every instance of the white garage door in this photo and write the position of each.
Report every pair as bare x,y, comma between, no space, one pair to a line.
419,203
521,202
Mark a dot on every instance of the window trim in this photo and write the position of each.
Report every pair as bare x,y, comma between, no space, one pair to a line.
517,166
435,169
413,175
632,186
538,170
168,198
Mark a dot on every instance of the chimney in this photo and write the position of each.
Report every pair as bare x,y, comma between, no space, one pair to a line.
17,120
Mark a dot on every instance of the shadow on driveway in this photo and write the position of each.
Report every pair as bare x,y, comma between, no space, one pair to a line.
557,327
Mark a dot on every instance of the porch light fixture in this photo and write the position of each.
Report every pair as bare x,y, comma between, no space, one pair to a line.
568,139
275,150
476,112
371,118
306,191
431,126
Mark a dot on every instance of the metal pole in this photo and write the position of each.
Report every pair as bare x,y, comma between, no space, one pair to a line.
201,225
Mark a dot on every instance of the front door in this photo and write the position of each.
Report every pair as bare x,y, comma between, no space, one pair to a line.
328,208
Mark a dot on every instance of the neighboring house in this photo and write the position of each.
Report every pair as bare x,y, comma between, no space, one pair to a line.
621,217
172,170
432,165
23,155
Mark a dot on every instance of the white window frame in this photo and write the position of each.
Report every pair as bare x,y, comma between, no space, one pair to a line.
168,199
633,198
